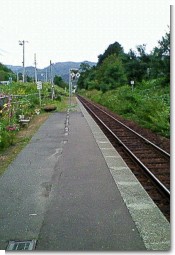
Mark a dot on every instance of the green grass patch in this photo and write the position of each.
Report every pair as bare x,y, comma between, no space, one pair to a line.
148,105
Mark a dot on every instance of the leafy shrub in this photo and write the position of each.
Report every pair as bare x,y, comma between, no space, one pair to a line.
58,98
24,101
148,104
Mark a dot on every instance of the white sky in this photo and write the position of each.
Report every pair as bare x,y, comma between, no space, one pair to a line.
77,30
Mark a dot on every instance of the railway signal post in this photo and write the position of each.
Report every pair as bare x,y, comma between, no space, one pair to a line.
73,78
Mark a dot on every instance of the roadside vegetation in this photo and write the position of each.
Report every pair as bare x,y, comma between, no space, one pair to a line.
21,101
135,85
22,137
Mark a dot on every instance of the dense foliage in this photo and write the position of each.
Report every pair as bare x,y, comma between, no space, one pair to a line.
59,82
116,68
22,99
148,105
5,73
109,83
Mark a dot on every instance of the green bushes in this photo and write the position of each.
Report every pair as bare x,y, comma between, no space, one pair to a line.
148,104
23,99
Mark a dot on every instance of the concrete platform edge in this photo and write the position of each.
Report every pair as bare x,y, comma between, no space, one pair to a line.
149,220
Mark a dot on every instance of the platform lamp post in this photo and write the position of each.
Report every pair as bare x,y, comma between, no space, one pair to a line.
22,43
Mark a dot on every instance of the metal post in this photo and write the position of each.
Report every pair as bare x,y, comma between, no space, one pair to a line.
35,68
39,87
46,74
50,73
22,43
132,85
70,88
40,97
51,81
23,63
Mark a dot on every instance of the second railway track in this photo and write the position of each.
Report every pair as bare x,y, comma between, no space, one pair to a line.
149,162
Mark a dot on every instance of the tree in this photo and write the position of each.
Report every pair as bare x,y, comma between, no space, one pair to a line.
91,81
85,69
29,79
114,48
84,66
136,64
160,59
20,76
143,56
111,72
164,45
59,81
115,68
3,76
5,73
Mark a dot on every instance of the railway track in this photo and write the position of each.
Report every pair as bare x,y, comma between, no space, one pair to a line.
149,162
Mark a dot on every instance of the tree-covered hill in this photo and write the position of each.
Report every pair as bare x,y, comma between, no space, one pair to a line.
59,69
5,73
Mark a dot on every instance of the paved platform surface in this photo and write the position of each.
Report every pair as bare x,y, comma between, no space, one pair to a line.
70,190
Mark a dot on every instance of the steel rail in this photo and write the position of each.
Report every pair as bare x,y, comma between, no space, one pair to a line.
133,131
155,179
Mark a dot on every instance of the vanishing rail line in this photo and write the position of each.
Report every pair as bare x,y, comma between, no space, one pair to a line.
153,160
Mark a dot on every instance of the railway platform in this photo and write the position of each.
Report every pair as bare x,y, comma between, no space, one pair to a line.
69,190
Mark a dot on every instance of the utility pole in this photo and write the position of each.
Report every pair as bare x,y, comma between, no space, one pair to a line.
46,74
22,43
35,68
51,80
17,77
70,88
50,72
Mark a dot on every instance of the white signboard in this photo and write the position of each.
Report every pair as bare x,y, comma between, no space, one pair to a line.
39,85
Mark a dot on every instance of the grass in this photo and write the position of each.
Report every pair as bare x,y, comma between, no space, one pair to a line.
148,105
21,140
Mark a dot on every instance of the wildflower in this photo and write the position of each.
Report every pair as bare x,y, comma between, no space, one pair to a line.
12,128
37,111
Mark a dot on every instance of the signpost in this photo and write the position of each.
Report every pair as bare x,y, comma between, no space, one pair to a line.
39,87
132,84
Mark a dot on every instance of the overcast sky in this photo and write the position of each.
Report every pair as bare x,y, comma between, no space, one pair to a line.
77,30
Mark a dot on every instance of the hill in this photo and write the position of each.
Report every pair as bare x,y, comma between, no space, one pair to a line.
59,68
5,73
